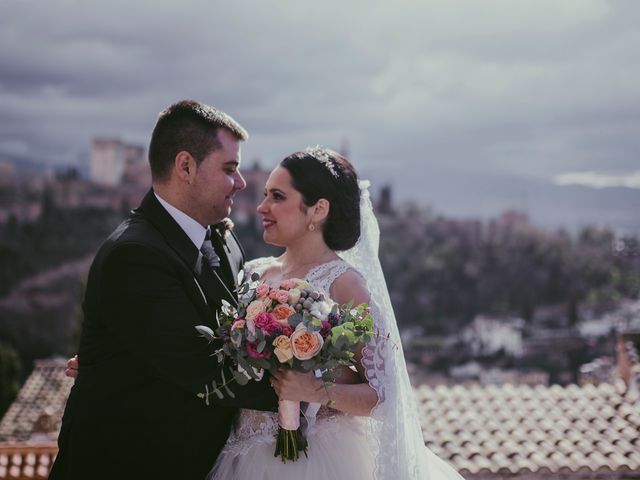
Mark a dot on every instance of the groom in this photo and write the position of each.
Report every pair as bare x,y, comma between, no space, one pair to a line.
134,412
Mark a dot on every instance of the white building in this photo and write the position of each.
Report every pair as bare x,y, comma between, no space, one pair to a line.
487,336
111,158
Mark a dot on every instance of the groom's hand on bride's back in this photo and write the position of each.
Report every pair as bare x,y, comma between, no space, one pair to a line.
72,367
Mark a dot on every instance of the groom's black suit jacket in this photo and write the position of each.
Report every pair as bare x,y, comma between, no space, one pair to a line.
133,411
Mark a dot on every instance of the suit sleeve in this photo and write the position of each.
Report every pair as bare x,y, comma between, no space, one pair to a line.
146,304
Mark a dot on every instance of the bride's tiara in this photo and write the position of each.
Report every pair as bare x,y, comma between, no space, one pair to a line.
321,155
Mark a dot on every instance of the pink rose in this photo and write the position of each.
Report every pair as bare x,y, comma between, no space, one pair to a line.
238,324
305,344
255,308
251,326
252,351
268,324
288,284
262,290
282,296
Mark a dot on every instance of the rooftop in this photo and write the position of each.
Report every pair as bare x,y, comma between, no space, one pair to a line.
485,432
37,411
496,431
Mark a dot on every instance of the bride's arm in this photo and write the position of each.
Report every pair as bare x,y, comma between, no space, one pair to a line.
353,398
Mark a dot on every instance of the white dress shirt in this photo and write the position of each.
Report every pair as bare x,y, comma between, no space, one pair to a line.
193,229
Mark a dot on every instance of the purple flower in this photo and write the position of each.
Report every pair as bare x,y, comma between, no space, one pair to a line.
326,329
334,319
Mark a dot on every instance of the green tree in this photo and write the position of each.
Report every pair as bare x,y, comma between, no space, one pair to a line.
9,376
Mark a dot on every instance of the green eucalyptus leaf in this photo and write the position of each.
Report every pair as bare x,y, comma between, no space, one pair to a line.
206,395
294,320
229,392
315,325
225,385
247,367
206,332
262,363
308,365
240,378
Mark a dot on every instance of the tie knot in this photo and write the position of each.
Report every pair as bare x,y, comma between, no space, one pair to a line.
207,235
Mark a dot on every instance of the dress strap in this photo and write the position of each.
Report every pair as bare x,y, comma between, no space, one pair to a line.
258,265
323,276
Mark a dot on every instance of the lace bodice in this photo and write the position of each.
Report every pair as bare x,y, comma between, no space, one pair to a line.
321,276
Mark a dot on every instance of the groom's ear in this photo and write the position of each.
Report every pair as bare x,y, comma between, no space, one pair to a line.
185,166
321,210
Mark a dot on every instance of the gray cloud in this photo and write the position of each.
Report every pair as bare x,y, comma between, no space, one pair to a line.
505,88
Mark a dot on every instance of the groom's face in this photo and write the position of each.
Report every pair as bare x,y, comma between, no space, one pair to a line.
217,180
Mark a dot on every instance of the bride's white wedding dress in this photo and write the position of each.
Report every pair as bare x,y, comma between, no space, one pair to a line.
341,446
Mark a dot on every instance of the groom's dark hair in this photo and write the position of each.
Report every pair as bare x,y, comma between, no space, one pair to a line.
189,126
338,184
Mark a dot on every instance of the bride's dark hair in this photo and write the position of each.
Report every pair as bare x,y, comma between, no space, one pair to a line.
322,173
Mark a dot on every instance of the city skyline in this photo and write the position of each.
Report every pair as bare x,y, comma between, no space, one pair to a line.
470,108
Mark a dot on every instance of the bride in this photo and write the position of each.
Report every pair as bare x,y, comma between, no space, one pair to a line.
317,210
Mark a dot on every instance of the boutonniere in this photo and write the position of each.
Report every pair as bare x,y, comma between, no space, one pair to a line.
223,228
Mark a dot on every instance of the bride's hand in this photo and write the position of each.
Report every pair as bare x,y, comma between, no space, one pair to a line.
344,374
296,386
72,367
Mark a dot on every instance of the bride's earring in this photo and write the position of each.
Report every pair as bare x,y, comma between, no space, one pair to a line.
312,227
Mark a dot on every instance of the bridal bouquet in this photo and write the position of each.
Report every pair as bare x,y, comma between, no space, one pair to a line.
286,326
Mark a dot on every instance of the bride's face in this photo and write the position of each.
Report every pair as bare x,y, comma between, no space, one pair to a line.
285,218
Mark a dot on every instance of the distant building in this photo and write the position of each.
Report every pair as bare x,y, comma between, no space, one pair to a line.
600,370
488,336
111,160
385,203
514,219
7,175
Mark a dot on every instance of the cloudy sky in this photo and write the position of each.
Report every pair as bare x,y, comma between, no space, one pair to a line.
468,106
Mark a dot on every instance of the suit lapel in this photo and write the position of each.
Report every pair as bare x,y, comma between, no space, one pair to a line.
236,254
229,262
211,284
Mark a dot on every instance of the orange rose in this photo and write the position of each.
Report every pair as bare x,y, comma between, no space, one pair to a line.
305,344
282,312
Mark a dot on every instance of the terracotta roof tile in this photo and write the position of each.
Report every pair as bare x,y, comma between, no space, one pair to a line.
509,430
484,432
26,460
39,406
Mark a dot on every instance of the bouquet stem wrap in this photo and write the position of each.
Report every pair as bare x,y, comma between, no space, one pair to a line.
289,440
